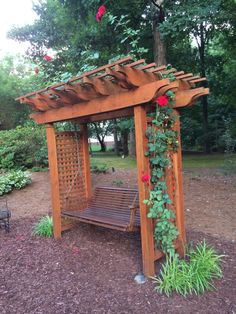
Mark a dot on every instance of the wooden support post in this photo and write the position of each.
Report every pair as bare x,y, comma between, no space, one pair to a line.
54,178
143,168
86,160
179,202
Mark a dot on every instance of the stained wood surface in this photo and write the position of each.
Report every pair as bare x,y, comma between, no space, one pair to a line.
111,208
71,170
54,179
143,168
179,201
76,97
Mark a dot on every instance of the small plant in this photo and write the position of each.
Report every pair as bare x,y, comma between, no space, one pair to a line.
118,182
39,169
16,179
194,275
44,227
102,168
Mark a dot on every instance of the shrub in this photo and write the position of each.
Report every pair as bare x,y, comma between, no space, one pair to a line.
23,147
194,275
14,180
102,168
44,227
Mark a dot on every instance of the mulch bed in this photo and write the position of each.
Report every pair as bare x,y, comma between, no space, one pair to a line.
91,270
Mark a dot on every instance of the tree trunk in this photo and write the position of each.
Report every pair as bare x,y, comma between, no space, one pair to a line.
201,47
103,145
116,147
124,135
159,48
132,146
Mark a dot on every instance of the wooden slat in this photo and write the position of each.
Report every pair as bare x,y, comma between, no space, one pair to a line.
147,66
180,77
176,74
158,69
135,63
191,78
198,80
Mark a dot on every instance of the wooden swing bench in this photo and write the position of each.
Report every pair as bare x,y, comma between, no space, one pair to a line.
113,208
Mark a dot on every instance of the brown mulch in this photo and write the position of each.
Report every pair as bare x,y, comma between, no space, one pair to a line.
91,269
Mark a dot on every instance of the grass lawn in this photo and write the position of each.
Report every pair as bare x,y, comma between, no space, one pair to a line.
189,161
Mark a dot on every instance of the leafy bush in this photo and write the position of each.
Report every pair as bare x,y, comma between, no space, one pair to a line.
44,227
23,147
194,275
102,168
14,180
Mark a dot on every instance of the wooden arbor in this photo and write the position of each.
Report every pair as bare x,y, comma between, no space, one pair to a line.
120,89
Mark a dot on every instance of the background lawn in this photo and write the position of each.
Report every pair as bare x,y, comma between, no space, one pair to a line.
189,161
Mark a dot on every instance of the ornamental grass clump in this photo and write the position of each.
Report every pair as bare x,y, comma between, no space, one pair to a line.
44,227
194,275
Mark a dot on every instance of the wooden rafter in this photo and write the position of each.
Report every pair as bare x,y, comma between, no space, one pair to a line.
121,84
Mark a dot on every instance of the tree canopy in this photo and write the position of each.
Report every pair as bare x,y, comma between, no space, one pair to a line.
192,35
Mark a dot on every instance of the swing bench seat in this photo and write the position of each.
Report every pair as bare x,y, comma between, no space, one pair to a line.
113,208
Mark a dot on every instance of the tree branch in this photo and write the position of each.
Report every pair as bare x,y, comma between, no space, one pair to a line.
156,5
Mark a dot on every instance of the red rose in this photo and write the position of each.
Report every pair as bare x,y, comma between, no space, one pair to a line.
100,13
47,58
145,178
102,10
162,101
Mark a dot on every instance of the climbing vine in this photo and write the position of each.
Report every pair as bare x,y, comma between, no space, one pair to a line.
162,142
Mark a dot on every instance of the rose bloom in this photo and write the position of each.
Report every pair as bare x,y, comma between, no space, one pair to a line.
102,9
145,178
100,13
162,101
47,58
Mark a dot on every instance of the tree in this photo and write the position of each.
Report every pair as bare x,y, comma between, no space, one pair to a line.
16,78
100,130
201,21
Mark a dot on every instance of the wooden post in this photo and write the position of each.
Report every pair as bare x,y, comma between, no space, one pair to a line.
143,168
179,202
86,160
54,178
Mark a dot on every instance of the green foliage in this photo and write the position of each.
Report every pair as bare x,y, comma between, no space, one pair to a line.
99,168
118,183
199,37
229,166
44,227
23,147
194,275
14,180
162,141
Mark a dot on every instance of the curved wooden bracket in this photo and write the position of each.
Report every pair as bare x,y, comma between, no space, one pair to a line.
136,77
188,97
103,87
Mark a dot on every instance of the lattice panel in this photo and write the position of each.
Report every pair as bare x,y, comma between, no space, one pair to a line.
71,171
